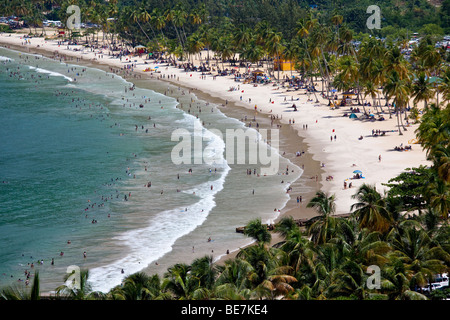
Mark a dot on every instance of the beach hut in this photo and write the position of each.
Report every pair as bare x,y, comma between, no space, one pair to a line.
348,94
257,75
257,72
284,65
140,49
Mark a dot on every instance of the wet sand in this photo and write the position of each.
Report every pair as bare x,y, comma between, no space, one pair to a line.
306,186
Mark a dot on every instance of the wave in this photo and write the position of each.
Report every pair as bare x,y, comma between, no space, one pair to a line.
52,73
3,58
152,242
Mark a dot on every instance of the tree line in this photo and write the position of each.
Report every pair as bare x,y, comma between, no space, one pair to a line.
404,232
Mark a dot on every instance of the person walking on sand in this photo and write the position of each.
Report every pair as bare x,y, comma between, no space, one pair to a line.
379,158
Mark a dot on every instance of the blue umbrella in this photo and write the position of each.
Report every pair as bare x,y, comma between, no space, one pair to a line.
357,171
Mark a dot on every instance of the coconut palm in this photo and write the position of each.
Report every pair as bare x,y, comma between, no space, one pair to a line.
275,48
422,89
420,256
370,210
194,44
179,282
398,89
439,195
78,289
444,85
136,15
138,286
16,293
433,134
395,284
205,270
324,227
256,230
235,272
369,88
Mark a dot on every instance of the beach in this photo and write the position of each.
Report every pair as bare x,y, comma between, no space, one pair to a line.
331,145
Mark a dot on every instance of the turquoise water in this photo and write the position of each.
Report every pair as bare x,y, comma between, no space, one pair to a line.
78,151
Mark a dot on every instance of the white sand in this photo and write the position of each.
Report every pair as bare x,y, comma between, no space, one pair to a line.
338,155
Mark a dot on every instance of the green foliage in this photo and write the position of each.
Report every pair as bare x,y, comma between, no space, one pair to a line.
410,187
330,258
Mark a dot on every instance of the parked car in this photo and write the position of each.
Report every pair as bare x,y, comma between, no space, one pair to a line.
441,281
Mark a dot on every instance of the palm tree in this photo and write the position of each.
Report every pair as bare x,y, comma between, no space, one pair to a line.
396,284
420,256
439,195
225,49
14,293
370,210
205,270
256,230
136,16
178,19
395,61
194,43
179,282
275,48
304,28
348,70
159,20
265,264
291,52
253,52
242,36
433,134
421,89
397,88
233,279
371,89
146,17
138,286
324,227
444,85
81,291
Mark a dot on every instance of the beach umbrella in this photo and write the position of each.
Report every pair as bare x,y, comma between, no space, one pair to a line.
357,171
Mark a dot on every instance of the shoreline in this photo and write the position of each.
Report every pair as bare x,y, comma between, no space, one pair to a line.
231,110
339,156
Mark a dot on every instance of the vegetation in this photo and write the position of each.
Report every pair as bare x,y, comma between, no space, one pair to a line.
404,232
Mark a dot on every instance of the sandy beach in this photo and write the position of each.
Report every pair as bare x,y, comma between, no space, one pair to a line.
331,140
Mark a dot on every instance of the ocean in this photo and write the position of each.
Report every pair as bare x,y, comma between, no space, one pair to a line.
91,174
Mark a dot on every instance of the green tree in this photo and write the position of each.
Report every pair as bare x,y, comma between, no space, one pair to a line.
324,227
370,210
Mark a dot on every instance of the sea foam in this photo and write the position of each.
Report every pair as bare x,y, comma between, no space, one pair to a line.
52,73
153,241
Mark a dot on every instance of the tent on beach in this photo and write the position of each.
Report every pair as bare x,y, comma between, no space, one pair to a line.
140,49
348,93
257,72
353,116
